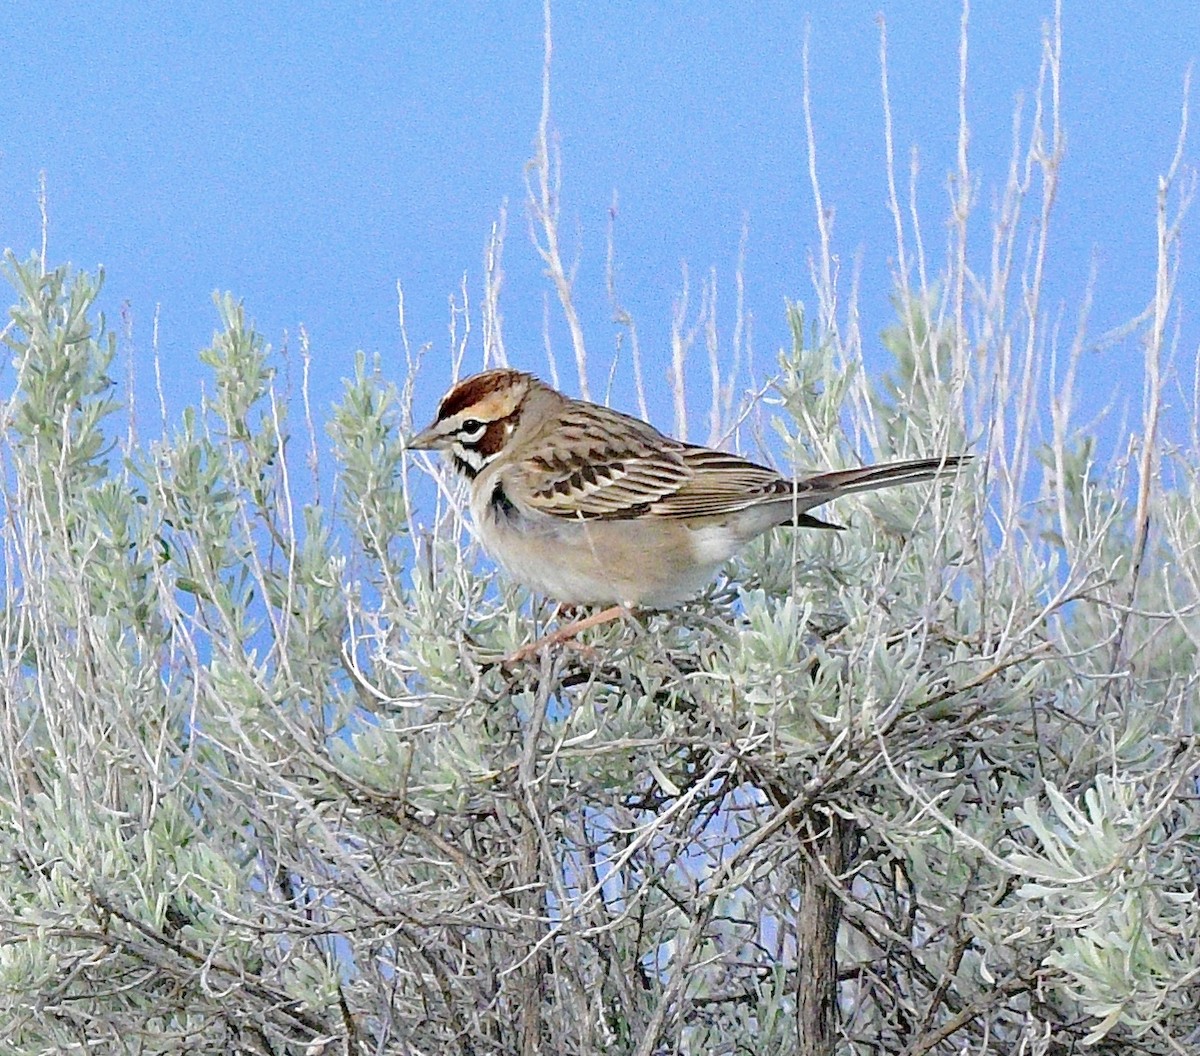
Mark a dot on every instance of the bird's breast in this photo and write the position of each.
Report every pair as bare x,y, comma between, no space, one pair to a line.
635,562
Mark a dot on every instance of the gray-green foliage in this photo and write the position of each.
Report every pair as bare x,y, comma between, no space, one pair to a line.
263,788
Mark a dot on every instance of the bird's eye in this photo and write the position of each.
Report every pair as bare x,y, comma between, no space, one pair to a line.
472,429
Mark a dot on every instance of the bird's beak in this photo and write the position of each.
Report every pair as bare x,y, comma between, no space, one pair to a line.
427,440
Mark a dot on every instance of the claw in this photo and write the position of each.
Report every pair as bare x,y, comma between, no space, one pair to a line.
566,636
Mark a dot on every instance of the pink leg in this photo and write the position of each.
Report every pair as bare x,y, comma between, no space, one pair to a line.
566,634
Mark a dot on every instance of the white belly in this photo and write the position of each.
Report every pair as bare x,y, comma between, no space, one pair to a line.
597,562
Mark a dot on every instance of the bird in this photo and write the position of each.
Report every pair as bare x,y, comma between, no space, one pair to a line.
592,507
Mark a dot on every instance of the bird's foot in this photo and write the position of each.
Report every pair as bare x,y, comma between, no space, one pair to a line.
567,635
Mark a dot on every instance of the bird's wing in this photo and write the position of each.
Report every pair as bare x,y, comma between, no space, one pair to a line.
607,466
720,484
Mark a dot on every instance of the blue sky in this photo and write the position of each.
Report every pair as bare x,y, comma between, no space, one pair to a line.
307,157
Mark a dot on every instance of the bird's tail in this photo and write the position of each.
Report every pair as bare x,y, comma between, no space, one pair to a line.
885,475
816,490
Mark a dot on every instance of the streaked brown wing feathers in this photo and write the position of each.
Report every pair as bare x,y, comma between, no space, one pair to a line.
603,465
631,470
597,463
720,484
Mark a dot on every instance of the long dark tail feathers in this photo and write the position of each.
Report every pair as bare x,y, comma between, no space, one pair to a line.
823,487
885,475
807,520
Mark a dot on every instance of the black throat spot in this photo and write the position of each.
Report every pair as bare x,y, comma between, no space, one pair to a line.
501,504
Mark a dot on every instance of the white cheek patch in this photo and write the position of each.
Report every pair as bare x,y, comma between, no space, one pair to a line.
470,456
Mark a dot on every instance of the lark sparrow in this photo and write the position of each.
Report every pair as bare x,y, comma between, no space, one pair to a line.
588,505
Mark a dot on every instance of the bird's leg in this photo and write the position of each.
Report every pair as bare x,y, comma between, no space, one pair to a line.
567,633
